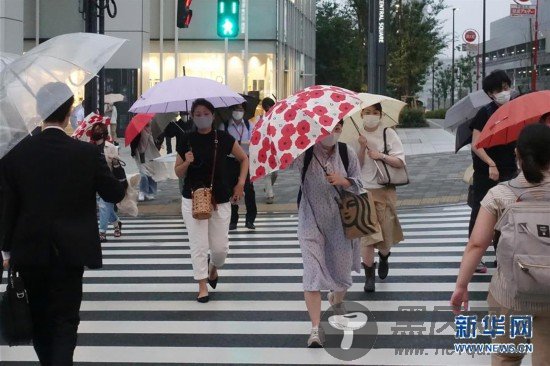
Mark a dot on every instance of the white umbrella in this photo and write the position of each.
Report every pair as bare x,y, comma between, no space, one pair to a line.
178,94
71,59
6,58
391,108
113,98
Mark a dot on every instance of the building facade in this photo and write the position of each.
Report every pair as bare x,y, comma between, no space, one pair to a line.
281,42
510,48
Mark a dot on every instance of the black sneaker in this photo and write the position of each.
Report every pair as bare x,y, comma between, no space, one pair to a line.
232,227
250,226
369,277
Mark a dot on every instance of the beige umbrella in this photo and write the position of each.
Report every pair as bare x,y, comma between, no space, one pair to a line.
391,108
113,98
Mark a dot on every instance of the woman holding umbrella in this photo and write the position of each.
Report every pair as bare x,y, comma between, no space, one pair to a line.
385,197
201,159
107,214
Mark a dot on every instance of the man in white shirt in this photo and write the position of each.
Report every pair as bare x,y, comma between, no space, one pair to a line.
240,129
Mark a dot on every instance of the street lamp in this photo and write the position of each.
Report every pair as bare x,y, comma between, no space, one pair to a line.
453,62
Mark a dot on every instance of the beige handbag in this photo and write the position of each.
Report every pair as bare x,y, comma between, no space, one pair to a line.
468,177
387,174
203,198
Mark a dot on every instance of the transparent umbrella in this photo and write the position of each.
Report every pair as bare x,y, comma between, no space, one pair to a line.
72,59
6,58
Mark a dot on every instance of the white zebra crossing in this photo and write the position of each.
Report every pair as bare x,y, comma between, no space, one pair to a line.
140,307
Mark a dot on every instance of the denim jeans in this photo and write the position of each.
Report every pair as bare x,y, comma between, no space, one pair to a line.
147,185
107,214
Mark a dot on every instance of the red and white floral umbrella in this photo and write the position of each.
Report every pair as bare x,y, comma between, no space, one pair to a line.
84,130
296,123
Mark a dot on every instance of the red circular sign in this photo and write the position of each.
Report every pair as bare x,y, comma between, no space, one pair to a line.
470,36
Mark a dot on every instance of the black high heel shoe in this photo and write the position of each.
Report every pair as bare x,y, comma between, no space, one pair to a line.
213,283
203,299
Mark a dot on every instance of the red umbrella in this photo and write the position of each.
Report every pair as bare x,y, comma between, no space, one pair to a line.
506,123
136,125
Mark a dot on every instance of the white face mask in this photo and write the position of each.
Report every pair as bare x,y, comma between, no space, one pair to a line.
203,122
503,97
331,140
237,115
371,121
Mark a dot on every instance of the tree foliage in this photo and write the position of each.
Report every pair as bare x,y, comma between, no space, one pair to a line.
339,46
414,38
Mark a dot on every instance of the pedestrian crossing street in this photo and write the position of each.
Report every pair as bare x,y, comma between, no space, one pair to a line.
141,309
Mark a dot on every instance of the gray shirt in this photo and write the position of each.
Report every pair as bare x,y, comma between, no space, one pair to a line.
240,133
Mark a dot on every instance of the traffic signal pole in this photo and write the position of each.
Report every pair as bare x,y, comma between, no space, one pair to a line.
536,50
226,40
245,66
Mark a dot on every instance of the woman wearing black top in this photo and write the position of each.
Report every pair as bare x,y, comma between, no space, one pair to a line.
194,161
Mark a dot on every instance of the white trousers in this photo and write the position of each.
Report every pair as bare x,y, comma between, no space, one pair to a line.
205,235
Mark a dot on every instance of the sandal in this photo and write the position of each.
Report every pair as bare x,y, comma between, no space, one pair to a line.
118,229
102,237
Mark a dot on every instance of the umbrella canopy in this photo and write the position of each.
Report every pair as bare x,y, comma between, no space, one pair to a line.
506,123
136,125
224,114
178,94
113,98
296,123
84,130
463,136
70,59
6,58
391,108
465,109
160,121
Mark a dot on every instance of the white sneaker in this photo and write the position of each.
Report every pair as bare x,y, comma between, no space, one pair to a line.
149,197
141,197
316,338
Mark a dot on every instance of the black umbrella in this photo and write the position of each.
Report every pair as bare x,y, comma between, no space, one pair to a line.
224,114
463,136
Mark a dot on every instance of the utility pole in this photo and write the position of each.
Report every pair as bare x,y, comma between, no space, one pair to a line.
484,41
535,50
453,63
90,90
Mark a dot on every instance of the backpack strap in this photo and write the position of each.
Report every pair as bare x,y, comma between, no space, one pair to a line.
307,160
515,186
247,124
343,150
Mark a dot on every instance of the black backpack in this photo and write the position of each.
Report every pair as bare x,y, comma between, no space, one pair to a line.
342,149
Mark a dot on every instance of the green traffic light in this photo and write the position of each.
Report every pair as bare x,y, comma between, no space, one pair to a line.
228,18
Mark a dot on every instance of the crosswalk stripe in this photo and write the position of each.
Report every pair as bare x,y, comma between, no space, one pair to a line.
140,308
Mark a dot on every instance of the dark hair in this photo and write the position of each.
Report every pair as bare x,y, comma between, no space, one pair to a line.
43,104
267,104
544,117
377,107
134,145
493,82
204,103
101,128
534,151
243,104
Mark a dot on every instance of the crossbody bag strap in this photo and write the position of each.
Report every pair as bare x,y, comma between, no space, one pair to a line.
215,158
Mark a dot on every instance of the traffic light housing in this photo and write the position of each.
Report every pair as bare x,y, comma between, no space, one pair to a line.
184,13
228,18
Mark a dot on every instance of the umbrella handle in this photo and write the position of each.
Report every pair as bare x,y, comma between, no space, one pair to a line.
387,115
